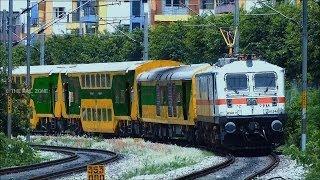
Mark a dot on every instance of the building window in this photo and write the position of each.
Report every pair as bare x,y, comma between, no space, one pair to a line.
136,8
207,4
59,12
175,2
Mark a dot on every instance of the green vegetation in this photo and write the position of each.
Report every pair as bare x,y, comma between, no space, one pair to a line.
20,120
16,153
152,168
293,130
273,37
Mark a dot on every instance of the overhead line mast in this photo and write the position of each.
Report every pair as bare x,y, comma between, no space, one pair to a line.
236,17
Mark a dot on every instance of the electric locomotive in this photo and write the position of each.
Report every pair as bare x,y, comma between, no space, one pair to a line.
241,104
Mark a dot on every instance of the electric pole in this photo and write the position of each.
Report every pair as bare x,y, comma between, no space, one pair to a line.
236,23
28,84
304,74
146,38
80,21
10,33
42,40
4,34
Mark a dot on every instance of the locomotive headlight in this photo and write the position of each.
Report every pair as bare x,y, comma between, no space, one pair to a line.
276,125
230,127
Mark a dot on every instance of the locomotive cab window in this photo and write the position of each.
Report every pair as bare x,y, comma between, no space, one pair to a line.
237,82
265,80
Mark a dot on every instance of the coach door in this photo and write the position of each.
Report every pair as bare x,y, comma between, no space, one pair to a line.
186,92
72,93
211,92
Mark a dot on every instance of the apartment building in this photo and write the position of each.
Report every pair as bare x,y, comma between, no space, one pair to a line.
70,16
18,26
181,10
178,10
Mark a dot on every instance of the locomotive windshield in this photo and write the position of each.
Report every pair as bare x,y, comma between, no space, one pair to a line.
237,82
265,80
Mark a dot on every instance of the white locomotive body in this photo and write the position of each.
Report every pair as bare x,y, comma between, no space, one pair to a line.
241,103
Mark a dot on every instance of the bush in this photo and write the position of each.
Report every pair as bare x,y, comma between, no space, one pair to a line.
20,110
311,156
16,153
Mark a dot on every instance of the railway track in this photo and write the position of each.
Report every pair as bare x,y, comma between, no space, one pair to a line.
77,161
240,168
230,159
274,163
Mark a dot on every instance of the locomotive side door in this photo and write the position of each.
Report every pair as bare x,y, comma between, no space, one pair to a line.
186,92
211,93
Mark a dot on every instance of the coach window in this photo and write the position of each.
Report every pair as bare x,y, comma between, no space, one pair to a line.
158,100
109,115
265,80
237,82
83,80
108,81
104,114
18,81
99,115
93,81
98,78
23,81
89,112
84,114
94,114
103,80
87,81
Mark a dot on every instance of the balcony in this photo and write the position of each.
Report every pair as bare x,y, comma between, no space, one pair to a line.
224,6
90,19
176,12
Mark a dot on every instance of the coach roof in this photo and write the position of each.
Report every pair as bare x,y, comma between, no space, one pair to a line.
80,68
182,72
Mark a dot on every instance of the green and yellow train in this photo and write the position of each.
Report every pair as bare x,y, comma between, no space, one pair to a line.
235,103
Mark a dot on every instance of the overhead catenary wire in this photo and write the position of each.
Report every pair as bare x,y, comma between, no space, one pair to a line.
280,13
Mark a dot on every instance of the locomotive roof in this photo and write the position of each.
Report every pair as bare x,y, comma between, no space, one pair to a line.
244,66
182,72
80,68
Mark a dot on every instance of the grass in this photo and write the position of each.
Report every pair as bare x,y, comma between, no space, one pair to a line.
159,169
144,158
14,152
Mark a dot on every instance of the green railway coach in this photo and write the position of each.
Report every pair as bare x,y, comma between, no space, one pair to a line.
98,97
167,100
44,100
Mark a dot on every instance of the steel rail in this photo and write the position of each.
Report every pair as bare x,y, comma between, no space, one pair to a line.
73,152
274,163
114,157
71,157
214,168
